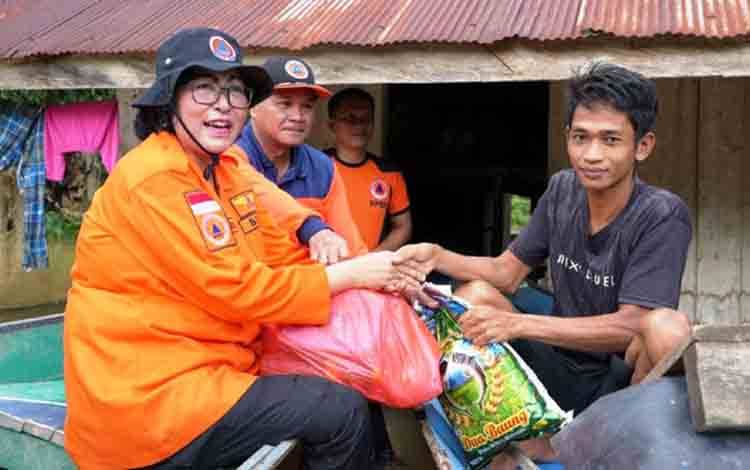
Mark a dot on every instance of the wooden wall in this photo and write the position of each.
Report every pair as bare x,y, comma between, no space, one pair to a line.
19,288
703,141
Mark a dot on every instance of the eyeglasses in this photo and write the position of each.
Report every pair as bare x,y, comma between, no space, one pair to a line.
208,93
355,120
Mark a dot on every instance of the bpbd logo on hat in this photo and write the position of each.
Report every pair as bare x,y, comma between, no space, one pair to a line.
221,49
296,69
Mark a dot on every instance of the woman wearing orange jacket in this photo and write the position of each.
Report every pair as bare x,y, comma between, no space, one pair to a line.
178,266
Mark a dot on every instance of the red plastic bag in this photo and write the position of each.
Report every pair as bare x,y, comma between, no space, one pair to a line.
374,343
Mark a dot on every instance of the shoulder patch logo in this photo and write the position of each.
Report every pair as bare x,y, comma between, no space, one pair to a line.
215,229
296,69
244,205
221,49
212,223
380,190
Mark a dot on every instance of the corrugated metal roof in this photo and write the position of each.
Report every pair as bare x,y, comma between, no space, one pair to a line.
50,27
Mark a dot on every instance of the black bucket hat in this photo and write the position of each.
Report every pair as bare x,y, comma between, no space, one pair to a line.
204,48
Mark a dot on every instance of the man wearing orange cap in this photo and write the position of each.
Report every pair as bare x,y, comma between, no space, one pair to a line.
274,139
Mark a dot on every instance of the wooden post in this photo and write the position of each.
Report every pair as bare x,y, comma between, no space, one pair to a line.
719,230
673,165
125,99
557,154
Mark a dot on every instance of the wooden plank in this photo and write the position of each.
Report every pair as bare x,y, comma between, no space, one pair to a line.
718,379
42,431
66,72
58,438
277,455
511,60
722,333
673,165
513,452
9,421
745,214
557,154
126,116
268,457
658,58
404,430
11,240
256,458
719,229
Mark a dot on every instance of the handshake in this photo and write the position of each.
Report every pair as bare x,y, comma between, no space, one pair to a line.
403,271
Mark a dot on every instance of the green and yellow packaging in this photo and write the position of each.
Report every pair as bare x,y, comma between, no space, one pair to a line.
491,397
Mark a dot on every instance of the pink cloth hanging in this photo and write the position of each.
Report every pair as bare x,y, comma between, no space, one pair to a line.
80,127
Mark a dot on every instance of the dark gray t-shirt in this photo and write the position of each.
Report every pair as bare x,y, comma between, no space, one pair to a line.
639,258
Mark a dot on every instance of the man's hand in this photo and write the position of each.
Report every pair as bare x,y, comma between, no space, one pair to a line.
484,325
421,258
416,262
327,247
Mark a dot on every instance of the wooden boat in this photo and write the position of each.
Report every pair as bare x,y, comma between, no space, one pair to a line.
32,400
32,395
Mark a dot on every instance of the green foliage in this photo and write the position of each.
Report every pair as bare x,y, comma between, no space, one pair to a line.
520,213
45,97
62,227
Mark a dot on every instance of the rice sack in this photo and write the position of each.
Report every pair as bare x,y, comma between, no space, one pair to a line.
490,396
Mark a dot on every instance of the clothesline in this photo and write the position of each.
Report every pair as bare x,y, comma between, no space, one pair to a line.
34,140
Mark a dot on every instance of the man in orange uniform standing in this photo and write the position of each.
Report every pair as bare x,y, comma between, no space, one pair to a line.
375,187
378,199
178,267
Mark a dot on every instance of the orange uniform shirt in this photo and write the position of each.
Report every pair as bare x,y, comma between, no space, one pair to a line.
376,190
171,285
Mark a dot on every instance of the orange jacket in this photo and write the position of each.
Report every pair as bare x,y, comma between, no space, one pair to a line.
335,212
312,179
333,208
171,284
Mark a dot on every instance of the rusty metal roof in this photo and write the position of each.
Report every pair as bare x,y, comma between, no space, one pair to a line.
51,27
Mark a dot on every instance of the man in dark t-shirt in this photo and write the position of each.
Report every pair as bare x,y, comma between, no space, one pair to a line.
616,249
636,260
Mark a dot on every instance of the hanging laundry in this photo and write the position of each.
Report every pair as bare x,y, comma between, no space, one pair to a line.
80,127
22,144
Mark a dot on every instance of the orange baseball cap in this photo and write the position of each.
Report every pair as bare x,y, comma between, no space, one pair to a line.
293,72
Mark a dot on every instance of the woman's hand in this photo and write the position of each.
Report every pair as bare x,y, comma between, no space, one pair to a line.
328,247
372,271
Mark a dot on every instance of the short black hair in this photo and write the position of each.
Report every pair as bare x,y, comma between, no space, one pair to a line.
357,93
625,90
154,119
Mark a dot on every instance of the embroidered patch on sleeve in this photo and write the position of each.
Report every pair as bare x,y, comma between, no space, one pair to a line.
212,224
244,205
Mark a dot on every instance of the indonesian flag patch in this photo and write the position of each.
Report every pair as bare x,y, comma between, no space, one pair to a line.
211,221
